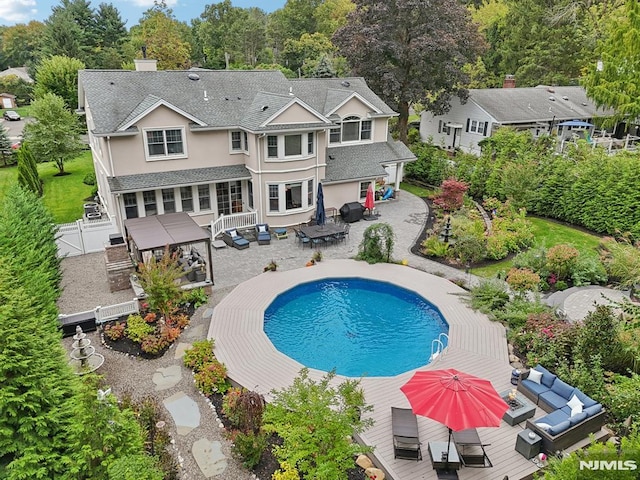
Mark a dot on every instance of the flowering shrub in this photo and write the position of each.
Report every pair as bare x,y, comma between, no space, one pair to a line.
115,331
137,328
212,378
561,260
523,279
545,339
452,195
153,344
169,334
200,354
286,472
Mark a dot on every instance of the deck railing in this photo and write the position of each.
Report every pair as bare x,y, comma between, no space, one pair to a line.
234,220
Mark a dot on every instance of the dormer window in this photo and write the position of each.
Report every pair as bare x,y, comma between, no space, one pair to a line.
352,129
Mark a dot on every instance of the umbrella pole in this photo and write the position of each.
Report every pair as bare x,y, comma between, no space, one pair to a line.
446,464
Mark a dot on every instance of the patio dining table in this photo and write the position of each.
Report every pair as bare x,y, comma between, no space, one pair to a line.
321,231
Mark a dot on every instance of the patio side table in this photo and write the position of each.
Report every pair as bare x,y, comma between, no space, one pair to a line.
526,445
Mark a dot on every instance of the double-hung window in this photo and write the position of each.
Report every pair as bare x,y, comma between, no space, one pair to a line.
168,200
204,197
186,195
130,205
274,198
150,204
475,126
239,141
272,146
165,143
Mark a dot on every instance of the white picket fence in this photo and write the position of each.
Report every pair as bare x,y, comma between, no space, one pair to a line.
84,236
104,314
234,220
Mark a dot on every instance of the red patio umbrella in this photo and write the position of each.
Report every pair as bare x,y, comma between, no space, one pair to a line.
456,399
369,201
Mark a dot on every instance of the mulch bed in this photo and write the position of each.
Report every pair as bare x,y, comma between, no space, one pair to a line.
268,463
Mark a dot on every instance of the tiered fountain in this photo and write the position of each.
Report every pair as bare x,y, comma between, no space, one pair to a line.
84,358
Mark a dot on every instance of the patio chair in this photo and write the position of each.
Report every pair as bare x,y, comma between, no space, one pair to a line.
471,449
302,238
232,238
262,234
406,443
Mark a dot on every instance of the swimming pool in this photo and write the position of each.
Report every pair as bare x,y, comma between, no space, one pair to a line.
355,326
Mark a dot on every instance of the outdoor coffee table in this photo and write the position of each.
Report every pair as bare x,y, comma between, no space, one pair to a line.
520,411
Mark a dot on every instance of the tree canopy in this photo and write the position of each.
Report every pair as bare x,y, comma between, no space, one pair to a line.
59,75
410,51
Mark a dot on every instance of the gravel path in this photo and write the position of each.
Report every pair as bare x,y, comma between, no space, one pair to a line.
84,291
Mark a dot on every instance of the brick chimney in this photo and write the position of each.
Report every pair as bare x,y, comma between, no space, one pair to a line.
509,81
145,65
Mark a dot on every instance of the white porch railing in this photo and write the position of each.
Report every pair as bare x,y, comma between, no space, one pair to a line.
234,220
104,314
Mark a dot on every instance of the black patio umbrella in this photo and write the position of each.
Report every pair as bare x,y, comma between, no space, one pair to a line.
321,217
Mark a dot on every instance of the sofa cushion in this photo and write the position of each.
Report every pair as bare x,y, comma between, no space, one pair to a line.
592,410
563,389
576,419
586,400
559,428
553,399
534,376
547,377
535,388
554,418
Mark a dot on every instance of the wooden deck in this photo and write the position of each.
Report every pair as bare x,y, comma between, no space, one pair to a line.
476,346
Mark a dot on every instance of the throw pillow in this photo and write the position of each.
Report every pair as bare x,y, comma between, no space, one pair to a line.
574,403
544,426
534,376
576,410
262,228
233,233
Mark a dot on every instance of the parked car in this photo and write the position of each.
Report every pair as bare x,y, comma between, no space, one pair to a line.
11,115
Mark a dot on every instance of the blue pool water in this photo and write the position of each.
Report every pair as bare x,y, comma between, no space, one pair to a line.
357,326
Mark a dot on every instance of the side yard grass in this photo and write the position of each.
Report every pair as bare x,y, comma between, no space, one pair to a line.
63,196
547,234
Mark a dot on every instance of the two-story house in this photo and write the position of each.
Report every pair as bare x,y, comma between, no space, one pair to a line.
215,143
541,110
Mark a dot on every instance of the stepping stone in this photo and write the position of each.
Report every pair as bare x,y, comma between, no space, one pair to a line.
184,411
168,377
180,348
196,332
207,313
209,457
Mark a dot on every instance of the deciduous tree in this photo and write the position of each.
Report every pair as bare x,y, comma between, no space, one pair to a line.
59,75
410,51
613,82
54,136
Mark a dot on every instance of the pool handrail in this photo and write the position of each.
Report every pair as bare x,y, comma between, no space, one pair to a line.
439,346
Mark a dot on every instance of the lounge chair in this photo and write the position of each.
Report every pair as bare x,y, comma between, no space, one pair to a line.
406,443
262,233
232,238
471,449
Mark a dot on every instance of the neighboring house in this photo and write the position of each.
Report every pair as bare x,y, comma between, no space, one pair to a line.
215,143
8,100
20,72
539,110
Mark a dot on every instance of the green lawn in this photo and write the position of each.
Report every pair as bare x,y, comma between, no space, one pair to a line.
547,234
63,196
416,190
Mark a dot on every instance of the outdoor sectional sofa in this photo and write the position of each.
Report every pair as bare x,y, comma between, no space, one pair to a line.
560,429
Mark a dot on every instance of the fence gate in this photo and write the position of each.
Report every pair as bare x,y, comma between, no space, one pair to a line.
84,236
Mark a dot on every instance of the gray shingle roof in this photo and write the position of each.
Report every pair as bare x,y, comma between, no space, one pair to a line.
142,181
364,161
514,105
233,97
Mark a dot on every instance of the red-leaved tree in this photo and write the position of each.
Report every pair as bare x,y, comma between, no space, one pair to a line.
451,196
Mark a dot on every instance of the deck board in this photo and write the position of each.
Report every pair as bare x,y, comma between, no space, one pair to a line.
476,346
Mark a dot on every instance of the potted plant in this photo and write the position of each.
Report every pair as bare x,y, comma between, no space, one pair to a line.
317,256
271,267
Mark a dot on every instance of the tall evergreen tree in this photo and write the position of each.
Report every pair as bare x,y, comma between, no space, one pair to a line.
6,152
28,175
111,36
71,30
410,51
